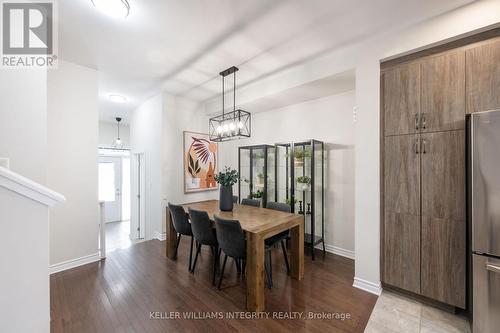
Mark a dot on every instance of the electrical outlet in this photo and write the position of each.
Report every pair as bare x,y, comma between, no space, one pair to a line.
354,114
4,162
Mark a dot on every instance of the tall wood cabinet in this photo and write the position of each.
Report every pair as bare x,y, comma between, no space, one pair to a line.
423,189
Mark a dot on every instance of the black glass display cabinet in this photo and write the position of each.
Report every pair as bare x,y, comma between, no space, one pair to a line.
300,182
256,169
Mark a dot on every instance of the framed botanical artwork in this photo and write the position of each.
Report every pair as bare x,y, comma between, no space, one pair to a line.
200,162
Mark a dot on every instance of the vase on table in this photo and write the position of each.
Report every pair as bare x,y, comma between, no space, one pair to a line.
226,198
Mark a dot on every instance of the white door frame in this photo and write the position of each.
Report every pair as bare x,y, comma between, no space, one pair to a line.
138,230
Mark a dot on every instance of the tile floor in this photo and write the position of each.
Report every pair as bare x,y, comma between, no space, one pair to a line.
394,313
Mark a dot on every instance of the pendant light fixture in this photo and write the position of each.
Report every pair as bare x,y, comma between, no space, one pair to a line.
118,140
230,125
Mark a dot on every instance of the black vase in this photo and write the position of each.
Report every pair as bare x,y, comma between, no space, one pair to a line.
226,198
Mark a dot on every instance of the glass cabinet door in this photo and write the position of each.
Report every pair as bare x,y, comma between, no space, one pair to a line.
318,188
258,174
244,160
271,166
283,173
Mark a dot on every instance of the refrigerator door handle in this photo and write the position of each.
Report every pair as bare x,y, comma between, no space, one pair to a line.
493,268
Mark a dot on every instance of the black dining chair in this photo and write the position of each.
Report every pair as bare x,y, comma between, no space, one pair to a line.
231,238
250,202
279,238
235,199
182,227
204,234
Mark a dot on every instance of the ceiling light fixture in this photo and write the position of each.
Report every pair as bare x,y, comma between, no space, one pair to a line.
117,98
118,140
232,125
115,8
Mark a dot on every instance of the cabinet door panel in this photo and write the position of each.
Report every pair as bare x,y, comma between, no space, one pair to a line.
443,92
443,217
401,99
483,77
402,251
402,209
402,174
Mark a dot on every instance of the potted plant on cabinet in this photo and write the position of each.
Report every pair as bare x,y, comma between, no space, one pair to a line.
299,154
226,179
303,183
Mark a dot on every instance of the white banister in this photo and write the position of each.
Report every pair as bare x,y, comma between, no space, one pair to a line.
28,188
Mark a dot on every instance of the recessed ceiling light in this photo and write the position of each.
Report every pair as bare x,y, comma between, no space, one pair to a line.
117,98
114,8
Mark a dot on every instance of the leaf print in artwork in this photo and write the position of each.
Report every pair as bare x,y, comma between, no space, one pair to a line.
201,148
191,167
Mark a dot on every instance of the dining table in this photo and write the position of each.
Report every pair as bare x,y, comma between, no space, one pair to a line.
258,224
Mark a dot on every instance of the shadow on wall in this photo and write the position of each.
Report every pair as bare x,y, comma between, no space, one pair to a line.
339,194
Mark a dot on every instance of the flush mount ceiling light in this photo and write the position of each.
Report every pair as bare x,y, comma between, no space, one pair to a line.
118,140
230,125
117,98
114,8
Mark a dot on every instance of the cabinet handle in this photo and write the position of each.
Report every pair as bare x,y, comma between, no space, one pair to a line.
493,268
417,121
424,149
416,147
424,121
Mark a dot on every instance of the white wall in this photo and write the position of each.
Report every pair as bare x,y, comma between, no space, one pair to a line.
364,57
23,117
108,133
24,282
25,301
72,128
156,128
146,137
328,119
180,115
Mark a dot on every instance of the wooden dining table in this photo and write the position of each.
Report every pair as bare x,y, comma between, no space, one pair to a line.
258,224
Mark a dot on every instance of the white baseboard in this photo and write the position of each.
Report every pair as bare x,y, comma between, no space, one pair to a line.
160,235
371,287
338,251
68,264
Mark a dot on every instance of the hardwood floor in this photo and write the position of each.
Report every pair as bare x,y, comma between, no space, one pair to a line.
118,294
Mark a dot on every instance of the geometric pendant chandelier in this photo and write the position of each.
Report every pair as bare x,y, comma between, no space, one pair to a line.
231,125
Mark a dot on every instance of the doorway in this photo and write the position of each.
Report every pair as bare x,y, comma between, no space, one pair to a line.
114,190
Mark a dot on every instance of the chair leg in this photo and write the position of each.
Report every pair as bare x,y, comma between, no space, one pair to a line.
191,254
198,249
222,271
283,247
215,252
270,269
238,267
177,246
267,268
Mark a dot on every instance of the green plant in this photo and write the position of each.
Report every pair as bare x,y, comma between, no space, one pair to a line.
304,180
259,155
256,195
300,153
288,201
260,175
228,177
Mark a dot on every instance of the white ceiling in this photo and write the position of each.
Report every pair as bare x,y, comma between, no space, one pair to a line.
181,46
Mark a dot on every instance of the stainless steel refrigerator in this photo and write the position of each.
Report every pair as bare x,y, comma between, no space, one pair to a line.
484,214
